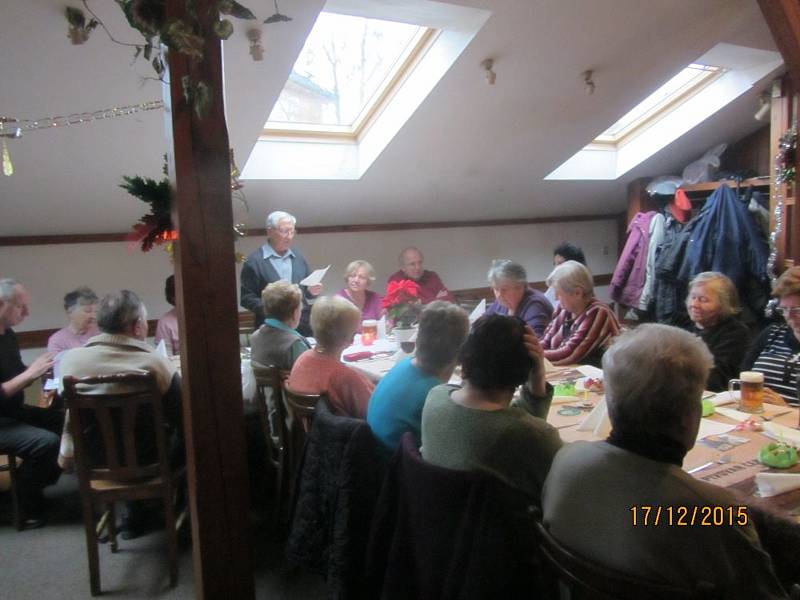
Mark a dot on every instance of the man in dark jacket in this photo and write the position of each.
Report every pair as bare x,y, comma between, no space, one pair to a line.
29,432
276,260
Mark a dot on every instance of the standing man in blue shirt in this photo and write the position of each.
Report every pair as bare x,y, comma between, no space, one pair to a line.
274,261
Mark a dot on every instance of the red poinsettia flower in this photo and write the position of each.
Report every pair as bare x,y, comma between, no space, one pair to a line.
404,291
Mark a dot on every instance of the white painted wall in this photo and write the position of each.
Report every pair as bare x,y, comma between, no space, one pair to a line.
461,256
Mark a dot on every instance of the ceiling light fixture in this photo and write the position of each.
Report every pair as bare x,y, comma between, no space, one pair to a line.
588,82
277,17
256,49
488,74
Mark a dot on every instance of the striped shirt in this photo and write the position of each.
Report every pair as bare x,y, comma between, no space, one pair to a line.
778,360
569,339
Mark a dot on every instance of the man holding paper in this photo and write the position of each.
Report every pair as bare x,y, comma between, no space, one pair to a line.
274,261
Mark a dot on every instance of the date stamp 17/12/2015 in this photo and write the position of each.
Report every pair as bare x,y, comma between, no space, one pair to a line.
688,516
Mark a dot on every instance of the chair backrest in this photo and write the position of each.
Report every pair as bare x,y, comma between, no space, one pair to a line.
301,406
587,580
442,533
269,382
115,420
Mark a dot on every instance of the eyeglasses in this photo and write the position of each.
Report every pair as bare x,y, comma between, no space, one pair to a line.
285,231
794,311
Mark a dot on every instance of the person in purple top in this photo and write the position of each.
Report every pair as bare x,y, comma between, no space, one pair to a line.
509,281
81,307
357,277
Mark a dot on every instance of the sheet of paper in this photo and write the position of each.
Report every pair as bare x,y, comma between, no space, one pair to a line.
721,398
782,433
591,371
709,427
162,349
478,311
549,367
315,278
597,420
382,327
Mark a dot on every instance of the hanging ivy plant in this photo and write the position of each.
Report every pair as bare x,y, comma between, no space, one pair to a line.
148,17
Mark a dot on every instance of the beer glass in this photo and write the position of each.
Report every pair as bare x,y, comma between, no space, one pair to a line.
369,331
751,384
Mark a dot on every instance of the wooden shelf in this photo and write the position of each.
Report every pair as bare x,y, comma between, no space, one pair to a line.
710,186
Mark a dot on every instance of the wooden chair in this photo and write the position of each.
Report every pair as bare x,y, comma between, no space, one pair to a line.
586,580
269,383
111,404
300,409
11,468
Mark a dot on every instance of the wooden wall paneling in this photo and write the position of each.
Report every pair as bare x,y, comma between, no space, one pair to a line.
205,278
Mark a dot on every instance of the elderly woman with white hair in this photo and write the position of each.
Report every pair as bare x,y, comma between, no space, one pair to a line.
582,326
81,308
713,305
654,380
358,275
513,297
334,321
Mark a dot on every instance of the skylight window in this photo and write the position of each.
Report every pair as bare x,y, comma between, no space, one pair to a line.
365,68
679,89
675,108
347,66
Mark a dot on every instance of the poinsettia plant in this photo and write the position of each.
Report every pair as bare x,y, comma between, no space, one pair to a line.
402,302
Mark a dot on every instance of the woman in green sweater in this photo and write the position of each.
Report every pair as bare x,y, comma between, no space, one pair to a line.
477,426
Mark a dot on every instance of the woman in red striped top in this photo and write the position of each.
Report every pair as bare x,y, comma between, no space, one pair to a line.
582,326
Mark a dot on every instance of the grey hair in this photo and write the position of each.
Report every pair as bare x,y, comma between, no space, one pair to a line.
570,275
443,328
119,311
402,256
654,378
276,216
507,270
80,296
7,291
357,264
330,317
723,287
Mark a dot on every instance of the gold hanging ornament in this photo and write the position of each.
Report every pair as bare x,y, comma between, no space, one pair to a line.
8,129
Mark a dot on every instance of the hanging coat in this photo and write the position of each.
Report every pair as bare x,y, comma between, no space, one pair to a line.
629,276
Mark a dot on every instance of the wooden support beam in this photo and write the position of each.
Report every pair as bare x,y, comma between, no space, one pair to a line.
783,19
206,298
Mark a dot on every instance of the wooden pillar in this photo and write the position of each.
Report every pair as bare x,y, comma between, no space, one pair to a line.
783,19
206,298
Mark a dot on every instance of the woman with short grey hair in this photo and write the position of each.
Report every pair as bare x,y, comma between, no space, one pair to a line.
713,304
654,380
334,322
513,297
81,308
582,326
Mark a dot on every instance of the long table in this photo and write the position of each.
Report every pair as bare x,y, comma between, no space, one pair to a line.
777,518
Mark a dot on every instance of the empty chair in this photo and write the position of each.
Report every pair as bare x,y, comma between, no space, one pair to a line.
338,482
273,418
107,415
444,534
